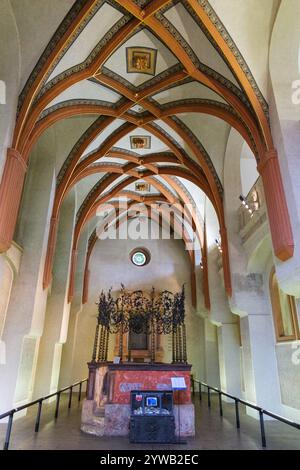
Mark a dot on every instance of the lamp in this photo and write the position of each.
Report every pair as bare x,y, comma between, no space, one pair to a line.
246,205
219,245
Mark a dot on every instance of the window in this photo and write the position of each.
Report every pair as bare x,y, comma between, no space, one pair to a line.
284,312
140,257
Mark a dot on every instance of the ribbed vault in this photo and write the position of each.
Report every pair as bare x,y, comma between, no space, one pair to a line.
201,87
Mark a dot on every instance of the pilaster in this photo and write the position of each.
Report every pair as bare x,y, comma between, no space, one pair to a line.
278,213
10,196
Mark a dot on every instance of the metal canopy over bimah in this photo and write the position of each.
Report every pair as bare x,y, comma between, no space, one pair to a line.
139,312
106,411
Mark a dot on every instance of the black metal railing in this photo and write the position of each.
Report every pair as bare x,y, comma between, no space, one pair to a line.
10,414
237,402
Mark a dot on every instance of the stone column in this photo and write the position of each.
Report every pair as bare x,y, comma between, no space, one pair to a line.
6,280
9,266
69,350
58,309
212,372
71,368
10,196
229,358
224,339
260,363
278,213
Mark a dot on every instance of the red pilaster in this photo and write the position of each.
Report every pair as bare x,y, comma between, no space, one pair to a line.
72,275
10,196
206,294
279,219
193,288
226,263
50,251
85,292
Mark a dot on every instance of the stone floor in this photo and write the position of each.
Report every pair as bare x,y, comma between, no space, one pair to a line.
212,432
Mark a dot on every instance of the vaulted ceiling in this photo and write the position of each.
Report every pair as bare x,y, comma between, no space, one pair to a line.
191,86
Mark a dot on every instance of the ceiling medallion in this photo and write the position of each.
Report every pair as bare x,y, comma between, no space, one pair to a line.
138,142
141,60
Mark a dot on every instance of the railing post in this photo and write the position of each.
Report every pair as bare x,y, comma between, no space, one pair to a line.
70,397
80,390
8,431
57,405
208,397
262,428
193,385
38,417
237,413
200,391
220,404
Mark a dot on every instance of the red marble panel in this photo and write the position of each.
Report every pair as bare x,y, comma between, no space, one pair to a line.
126,380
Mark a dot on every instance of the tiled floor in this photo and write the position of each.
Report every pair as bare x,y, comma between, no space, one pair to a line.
212,432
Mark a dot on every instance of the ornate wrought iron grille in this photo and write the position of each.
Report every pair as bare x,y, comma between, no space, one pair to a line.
141,312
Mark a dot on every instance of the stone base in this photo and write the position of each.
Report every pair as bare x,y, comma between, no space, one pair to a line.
92,418
113,420
186,416
117,419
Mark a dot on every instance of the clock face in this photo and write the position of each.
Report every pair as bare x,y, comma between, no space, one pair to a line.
139,258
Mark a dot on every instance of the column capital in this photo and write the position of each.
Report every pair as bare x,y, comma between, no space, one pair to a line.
269,155
15,154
